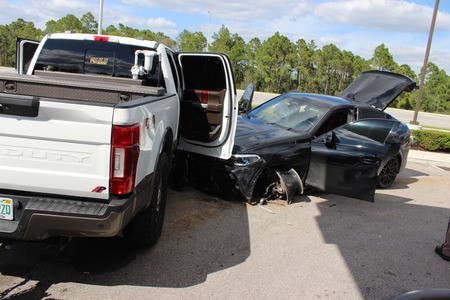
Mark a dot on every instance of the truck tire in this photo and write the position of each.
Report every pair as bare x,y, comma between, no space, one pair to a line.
146,227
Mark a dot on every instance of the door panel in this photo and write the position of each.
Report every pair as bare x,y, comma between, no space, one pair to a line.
346,161
209,108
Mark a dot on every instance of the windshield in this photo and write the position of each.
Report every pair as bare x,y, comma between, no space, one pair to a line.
290,111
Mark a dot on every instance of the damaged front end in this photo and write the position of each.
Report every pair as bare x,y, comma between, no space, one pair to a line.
246,170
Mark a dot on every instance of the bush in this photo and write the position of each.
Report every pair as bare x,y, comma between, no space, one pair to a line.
431,140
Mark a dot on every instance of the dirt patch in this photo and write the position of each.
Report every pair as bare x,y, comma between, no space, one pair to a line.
189,209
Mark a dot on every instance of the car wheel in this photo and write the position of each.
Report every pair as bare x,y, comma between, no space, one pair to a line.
388,173
147,225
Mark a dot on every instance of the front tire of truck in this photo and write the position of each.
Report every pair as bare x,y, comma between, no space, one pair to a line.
146,227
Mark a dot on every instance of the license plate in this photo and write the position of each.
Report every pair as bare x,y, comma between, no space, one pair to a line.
6,209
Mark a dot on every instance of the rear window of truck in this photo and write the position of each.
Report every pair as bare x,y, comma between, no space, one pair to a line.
87,57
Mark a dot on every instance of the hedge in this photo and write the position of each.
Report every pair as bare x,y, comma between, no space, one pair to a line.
431,140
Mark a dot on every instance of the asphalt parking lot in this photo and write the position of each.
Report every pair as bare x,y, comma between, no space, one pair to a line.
320,247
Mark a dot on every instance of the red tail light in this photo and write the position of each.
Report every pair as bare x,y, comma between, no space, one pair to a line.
124,158
100,38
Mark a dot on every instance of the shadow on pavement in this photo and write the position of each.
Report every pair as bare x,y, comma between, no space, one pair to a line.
389,246
201,235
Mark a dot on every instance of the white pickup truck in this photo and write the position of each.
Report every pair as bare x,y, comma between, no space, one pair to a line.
89,127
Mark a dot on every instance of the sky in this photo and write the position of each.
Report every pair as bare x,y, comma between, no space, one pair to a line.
353,25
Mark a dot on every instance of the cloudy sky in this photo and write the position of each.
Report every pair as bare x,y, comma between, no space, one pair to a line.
354,25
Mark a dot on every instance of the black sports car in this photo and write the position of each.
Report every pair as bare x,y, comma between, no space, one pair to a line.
344,145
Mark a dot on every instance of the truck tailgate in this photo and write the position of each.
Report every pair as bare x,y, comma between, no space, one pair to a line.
63,150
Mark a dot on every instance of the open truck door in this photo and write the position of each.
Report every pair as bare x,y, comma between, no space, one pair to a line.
208,110
347,160
24,53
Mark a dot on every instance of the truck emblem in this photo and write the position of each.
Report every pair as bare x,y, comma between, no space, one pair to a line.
98,189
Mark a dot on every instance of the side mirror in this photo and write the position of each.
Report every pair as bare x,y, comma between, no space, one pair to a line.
331,140
245,103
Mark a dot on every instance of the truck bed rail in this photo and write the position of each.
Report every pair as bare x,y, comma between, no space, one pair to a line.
73,86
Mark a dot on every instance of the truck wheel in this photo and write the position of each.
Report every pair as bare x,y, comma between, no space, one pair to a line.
147,225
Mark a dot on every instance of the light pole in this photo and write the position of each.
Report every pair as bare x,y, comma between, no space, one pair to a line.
425,63
209,30
100,18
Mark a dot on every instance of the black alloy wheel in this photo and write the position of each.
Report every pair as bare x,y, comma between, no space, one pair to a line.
388,173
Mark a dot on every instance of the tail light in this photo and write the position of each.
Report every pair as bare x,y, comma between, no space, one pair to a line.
124,158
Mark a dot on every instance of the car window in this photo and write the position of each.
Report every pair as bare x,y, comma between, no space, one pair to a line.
297,113
335,120
203,73
368,131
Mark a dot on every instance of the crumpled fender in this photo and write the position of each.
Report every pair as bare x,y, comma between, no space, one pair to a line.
246,177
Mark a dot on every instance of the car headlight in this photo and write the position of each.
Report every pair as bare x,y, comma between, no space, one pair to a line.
243,160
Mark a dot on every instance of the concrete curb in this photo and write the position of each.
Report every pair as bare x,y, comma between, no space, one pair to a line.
429,156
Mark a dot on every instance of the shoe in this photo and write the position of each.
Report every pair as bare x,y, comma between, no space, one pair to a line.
438,251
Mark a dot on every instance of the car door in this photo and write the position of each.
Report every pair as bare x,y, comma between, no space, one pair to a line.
346,161
25,50
208,110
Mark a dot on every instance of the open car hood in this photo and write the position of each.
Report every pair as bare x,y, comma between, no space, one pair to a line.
377,88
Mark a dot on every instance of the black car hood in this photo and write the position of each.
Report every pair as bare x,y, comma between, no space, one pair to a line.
252,134
377,88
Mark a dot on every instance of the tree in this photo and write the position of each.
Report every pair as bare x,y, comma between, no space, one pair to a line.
382,59
251,71
406,100
305,69
191,41
329,63
436,91
275,62
9,34
234,46
89,24
69,22
136,33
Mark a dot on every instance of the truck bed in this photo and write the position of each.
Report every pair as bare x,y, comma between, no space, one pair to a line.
81,87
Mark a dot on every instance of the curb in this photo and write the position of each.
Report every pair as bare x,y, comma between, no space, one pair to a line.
429,156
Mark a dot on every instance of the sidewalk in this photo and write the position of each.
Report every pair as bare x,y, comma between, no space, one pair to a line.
429,156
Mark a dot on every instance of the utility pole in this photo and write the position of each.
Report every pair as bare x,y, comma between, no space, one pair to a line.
209,31
425,64
100,18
